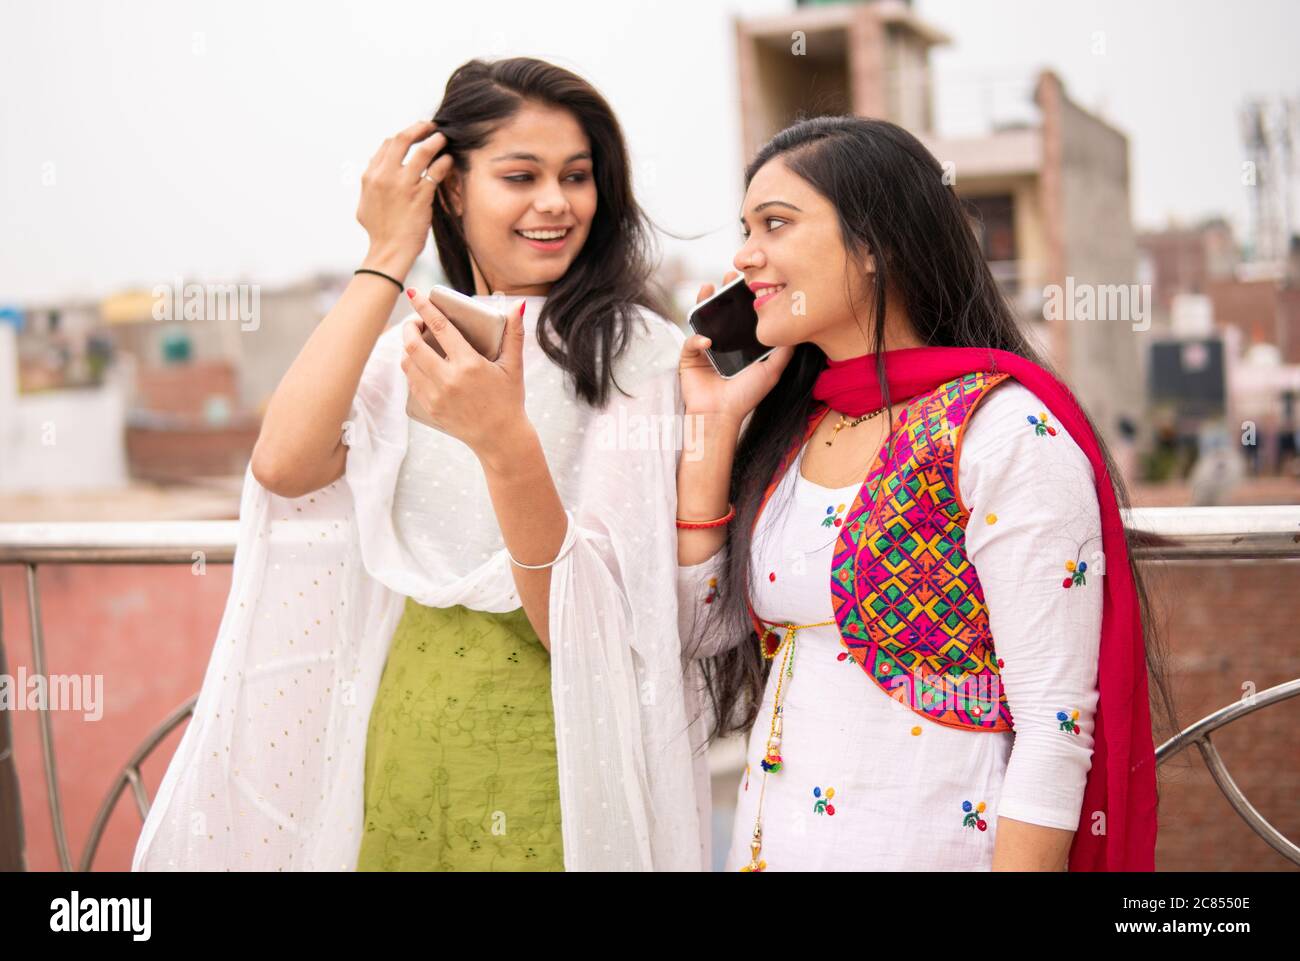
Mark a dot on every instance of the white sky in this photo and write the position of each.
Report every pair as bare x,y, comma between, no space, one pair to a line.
128,158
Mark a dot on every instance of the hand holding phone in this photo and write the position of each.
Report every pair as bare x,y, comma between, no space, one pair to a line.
481,324
724,369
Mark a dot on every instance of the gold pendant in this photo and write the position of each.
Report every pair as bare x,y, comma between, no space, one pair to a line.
755,849
844,422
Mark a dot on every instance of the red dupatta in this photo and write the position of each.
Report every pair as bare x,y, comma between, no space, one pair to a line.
1122,780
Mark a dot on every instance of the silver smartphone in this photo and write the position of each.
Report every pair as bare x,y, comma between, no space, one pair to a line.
483,325
729,321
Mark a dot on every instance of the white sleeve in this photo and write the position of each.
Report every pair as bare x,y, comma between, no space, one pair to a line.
698,587
1034,537
627,775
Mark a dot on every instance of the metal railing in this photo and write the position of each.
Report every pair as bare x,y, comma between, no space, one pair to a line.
1166,534
1199,734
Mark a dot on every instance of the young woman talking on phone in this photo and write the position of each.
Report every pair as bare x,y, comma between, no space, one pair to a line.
902,561
455,647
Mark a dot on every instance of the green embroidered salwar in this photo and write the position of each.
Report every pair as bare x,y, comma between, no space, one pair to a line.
460,770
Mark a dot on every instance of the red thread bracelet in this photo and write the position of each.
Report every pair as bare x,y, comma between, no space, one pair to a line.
700,525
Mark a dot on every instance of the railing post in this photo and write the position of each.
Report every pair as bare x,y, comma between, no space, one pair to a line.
52,790
13,857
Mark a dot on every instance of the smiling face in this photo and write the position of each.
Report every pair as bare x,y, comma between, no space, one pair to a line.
527,200
795,261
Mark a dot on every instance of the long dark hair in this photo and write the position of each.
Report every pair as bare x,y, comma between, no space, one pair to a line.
592,307
892,202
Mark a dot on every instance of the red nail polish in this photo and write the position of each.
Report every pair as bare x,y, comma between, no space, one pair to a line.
410,292
521,309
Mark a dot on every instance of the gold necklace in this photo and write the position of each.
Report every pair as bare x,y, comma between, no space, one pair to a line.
845,422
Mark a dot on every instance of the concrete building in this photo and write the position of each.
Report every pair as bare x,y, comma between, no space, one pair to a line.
61,416
1184,259
1051,193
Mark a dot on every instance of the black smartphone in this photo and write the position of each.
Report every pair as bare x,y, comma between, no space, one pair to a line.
729,321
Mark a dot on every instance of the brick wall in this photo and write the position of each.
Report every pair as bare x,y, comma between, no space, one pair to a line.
1227,625
1249,305
185,388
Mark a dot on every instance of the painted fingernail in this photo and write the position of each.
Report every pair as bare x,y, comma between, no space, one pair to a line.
521,310
410,292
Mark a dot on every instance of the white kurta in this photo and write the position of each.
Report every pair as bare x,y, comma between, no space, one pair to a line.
269,774
869,784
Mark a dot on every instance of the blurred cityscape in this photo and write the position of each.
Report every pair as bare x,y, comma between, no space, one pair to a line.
160,392
1181,339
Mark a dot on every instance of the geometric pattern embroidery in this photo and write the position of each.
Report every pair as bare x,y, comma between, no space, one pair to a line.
907,600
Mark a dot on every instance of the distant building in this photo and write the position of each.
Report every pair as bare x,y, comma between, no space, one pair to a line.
1184,259
165,384
1266,309
1237,322
61,402
207,358
1050,190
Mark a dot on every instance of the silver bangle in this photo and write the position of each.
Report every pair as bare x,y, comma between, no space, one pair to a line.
565,546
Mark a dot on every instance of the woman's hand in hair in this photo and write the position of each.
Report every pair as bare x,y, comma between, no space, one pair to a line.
396,206
705,391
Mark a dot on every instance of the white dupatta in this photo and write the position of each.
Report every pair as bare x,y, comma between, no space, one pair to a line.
269,774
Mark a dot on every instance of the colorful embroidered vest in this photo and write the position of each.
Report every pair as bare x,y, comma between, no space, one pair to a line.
907,601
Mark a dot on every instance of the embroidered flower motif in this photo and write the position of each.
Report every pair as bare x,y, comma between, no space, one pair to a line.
916,731
834,516
844,656
1041,426
713,590
1076,574
822,803
971,818
1068,721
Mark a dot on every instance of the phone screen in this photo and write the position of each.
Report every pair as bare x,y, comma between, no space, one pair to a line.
729,321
